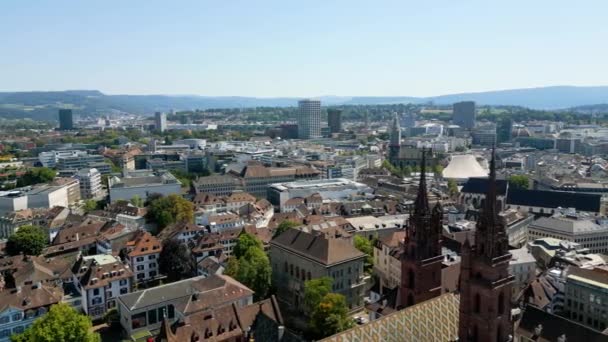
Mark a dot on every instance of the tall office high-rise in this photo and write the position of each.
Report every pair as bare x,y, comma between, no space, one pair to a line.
66,121
464,114
334,120
160,121
309,119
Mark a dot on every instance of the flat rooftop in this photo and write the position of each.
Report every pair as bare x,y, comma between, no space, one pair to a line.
316,183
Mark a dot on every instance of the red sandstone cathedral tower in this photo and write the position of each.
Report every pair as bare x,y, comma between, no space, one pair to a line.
485,283
421,258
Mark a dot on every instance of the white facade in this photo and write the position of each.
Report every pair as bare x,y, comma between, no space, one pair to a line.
38,197
90,183
50,158
145,267
523,267
309,119
160,120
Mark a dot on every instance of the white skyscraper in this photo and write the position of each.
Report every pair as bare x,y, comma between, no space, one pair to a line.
309,119
161,121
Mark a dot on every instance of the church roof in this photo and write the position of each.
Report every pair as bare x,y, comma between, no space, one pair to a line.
432,320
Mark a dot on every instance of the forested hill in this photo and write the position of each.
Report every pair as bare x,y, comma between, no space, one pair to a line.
44,105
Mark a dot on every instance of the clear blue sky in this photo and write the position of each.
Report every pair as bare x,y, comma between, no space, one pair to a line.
277,48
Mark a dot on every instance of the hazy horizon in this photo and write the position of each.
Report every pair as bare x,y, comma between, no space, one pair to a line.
276,49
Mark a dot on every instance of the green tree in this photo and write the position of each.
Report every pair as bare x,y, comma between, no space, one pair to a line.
245,242
519,182
137,201
61,323
89,205
255,272
175,261
330,316
167,210
452,187
283,226
315,290
438,170
37,175
232,267
29,240
364,245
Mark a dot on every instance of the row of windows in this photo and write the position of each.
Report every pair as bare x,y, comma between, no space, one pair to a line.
7,332
150,257
153,316
299,274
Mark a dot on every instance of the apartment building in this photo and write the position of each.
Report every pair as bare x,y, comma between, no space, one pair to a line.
143,253
100,279
586,297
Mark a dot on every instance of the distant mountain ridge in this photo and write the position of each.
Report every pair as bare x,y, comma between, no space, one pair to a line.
43,105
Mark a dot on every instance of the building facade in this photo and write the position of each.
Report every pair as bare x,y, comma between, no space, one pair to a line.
160,121
297,256
464,114
90,183
309,119
66,120
334,120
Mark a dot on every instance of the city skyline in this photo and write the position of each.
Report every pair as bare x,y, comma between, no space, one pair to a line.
274,49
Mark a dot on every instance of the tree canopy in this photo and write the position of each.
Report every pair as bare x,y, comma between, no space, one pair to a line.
170,209
175,261
29,240
519,182
37,175
364,245
452,187
330,316
250,265
61,323
245,242
315,290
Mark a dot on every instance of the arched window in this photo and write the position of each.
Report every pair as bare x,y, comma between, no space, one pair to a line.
410,300
297,272
501,303
286,267
291,269
411,279
477,303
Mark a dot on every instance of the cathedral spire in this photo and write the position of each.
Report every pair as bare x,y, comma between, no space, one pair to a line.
421,206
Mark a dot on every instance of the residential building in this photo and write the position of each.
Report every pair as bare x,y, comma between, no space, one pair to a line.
261,321
571,228
387,259
334,120
160,121
586,295
523,267
100,279
297,256
66,120
145,310
464,114
90,183
20,307
143,183
309,119
143,253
